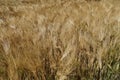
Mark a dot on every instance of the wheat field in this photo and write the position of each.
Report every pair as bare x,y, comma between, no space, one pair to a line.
59,40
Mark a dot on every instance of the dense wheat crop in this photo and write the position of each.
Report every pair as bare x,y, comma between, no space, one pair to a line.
59,39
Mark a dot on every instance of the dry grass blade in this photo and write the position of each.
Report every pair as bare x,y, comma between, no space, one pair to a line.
59,40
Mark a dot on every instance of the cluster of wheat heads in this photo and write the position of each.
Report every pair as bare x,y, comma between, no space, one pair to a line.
62,40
